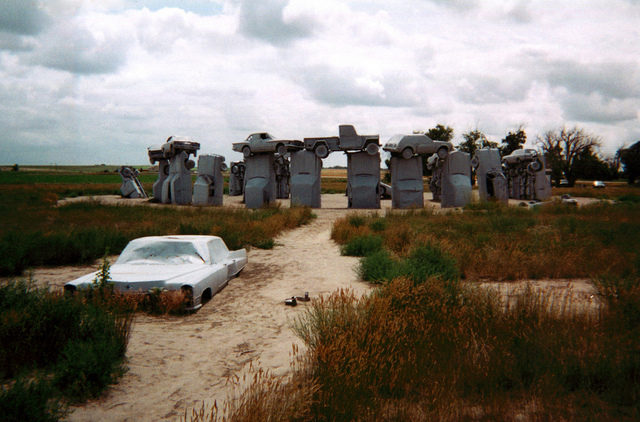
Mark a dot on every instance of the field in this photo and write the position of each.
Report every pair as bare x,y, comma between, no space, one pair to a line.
429,342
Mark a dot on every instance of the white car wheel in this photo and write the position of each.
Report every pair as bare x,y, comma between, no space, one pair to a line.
443,152
281,149
246,152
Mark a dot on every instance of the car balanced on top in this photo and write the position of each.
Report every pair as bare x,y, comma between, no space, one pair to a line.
348,140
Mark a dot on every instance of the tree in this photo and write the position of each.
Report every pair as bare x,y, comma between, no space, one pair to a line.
513,141
474,140
590,166
440,133
563,149
630,159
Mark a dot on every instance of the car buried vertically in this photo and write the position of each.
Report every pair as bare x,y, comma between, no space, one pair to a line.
199,266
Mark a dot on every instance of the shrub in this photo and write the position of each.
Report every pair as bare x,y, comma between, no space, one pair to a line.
379,267
362,245
428,261
34,400
72,346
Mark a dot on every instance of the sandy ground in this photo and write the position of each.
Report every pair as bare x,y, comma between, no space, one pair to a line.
177,363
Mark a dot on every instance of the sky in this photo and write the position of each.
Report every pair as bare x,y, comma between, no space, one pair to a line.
99,81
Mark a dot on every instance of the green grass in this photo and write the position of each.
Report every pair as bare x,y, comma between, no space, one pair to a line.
34,232
58,349
362,245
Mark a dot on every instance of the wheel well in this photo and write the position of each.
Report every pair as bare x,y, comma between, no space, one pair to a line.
207,295
188,294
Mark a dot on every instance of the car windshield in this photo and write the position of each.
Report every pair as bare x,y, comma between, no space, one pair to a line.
169,253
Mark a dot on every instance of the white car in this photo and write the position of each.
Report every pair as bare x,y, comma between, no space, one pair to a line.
200,266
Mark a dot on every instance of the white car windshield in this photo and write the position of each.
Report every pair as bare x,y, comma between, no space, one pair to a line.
169,253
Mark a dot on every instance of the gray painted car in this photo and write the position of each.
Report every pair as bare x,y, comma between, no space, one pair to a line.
264,142
200,266
348,140
409,145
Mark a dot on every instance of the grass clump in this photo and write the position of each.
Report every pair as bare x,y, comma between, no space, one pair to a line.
362,245
379,267
58,348
424,262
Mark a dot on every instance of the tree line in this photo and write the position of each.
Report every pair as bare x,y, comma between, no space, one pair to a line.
571,153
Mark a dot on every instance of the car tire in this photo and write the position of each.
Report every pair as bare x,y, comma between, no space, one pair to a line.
281,149
442,153
246,152
372,149
321,151
534,166
407,153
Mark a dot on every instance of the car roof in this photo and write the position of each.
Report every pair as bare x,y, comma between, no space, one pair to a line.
400,138
177,238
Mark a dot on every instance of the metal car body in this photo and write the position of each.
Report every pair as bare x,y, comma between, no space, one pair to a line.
409,145
348,140
521,155
264,142
200,266
599,184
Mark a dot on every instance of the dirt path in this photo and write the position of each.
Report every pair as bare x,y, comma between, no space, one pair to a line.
179,362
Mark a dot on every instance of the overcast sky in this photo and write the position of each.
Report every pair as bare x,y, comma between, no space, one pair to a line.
84,82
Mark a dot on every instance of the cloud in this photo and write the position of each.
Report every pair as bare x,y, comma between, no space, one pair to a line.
81,48
23,17
609,79
15,42
341,86
273,21
595,108
488,89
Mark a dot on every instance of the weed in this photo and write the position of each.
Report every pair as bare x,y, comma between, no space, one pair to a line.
362,245
34,400
72,346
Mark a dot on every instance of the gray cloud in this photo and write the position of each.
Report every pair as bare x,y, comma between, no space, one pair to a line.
350,86
15,42
613,79
75,49
487,89
265,20
22,17
595,108
520,12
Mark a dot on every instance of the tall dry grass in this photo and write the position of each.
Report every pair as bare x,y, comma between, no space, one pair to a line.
505,243
447,351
